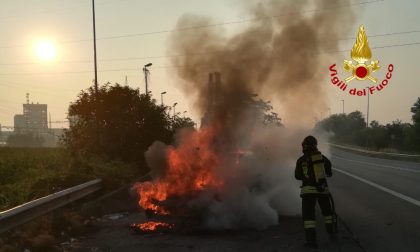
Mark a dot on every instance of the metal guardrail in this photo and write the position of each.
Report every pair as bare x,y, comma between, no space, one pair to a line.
374,152
18,215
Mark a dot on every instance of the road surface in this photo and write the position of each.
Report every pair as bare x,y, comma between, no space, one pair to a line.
378,199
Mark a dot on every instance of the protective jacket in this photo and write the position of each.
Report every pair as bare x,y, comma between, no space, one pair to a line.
313,168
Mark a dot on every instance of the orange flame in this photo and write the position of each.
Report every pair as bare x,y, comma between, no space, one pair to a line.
191,169
152,226
361,51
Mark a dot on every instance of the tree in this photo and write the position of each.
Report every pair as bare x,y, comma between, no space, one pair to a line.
352,129
117,123
415,109
264,111
377,135
348,128
181,122
396,133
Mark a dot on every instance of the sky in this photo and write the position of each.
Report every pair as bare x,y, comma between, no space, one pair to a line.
132,33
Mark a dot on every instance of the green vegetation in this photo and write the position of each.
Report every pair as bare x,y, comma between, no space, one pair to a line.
119,123
396,136
25,140
30,173
107,139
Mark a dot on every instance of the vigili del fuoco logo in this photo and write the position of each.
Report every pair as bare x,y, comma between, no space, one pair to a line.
361,69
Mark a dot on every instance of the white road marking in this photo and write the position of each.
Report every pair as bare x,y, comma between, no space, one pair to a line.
396,194
386,166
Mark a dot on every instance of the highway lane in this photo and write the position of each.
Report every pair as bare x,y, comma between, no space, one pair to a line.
377,200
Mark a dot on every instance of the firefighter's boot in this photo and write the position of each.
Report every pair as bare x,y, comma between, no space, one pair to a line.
331,227
310,235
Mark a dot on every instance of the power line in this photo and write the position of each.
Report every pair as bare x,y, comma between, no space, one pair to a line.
381,47
103,2
235,22
184,55
166,67
206,26
387,34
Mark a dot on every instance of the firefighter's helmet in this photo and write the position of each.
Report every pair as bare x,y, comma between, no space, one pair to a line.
309,142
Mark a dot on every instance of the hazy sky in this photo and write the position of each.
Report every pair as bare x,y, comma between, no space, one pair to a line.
124,46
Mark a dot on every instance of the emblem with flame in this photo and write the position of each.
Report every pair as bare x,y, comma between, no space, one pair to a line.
361,53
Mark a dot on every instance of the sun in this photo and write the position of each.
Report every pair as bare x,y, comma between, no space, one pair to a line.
46,50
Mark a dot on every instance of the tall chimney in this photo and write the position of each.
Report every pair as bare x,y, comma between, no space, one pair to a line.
217,85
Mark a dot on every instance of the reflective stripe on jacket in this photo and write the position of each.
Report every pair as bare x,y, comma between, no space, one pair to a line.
313,189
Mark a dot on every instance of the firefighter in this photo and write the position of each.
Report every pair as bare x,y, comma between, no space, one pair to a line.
313,168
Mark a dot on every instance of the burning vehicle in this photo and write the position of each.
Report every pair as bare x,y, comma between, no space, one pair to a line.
206,175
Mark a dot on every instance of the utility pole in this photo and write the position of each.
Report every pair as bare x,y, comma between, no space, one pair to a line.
161,97
367,112
146,72
94,49
367,121
343,105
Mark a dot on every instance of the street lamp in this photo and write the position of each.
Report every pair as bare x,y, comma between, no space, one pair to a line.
174,108
367,112
161,97
146,72
94,50
367,120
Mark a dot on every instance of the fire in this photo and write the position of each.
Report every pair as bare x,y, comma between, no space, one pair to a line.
191,168
152,226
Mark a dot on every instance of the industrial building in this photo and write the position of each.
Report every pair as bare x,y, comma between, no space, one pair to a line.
33,122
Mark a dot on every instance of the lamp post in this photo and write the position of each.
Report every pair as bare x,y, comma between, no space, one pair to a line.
146,72
367,112
94,49
161,97
367,120
343,105
174,108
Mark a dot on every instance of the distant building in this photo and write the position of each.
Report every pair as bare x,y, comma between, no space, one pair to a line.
33,123
36,117
52,137
19,124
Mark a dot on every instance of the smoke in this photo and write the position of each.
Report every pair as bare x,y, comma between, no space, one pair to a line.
277,56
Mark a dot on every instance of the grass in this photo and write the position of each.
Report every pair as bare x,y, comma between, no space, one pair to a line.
31,173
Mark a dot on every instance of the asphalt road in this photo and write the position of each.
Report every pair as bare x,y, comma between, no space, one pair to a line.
378,199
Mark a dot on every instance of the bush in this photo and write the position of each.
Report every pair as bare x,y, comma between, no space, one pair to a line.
30,173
